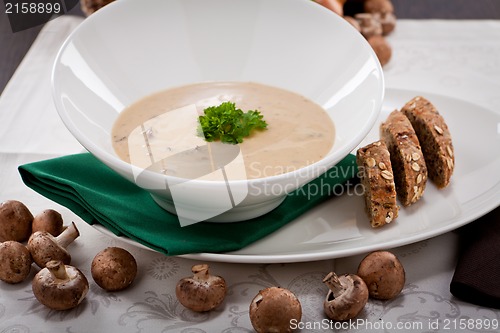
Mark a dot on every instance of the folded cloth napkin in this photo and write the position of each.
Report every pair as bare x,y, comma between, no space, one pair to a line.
99,195
477,275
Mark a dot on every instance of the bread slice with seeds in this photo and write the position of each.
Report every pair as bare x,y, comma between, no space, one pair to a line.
434,137
408,164
375,172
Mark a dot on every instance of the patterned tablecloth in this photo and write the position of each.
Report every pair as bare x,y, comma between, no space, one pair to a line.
453,58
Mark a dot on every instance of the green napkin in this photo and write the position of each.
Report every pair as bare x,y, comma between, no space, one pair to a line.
99,195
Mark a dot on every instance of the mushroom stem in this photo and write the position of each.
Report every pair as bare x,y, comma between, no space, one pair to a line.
57,269
68,235
333,283
200,272
347,296
59,286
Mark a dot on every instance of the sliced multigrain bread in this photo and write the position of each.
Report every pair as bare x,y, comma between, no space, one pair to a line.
375,172
408,164
434,138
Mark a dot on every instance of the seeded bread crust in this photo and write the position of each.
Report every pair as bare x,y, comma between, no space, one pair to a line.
408,164
434,137
375,172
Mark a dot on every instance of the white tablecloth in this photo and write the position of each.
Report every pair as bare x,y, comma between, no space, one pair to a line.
453,58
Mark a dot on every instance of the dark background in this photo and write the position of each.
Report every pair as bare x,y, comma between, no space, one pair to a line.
13,46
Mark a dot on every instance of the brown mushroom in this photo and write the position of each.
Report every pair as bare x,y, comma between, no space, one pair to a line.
383,273
45,247
15,221
59,286
273,309
201,292
346,298
381,48
114,269
15,262
49,220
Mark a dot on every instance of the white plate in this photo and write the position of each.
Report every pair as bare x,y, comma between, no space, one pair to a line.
339,227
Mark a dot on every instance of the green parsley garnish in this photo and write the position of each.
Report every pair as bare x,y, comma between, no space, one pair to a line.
229,124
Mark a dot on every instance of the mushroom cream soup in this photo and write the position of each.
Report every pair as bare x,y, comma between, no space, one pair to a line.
160,132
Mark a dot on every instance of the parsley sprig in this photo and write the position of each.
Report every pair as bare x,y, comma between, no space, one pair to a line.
229,124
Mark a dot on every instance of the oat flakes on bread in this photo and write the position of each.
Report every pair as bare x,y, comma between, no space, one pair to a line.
408,164
434,137
375,172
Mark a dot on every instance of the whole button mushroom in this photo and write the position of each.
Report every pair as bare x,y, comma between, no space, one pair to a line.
15,221
114,269
15,262
49,220
201,292
383,273
346,298
45,247
273,310
59,286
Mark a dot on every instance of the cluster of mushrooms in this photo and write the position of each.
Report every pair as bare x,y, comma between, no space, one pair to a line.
374,19
57,284
380,275
60,286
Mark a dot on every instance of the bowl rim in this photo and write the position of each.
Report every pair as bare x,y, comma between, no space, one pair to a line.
324,164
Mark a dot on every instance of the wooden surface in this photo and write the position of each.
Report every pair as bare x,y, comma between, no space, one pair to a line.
13,46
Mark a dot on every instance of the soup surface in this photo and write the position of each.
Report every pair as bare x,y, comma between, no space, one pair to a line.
160,132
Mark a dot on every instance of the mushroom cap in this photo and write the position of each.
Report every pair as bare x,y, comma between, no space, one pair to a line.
57,293
44,247
382,49
48,220
114,269
15,221
349,301
15,262
383,273
273,308
201,292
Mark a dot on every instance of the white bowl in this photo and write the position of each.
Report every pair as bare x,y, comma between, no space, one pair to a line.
131,49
